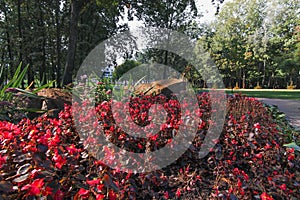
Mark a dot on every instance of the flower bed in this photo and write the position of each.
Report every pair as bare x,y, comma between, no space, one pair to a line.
45,157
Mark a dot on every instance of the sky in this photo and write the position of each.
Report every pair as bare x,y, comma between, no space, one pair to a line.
204,6
207,8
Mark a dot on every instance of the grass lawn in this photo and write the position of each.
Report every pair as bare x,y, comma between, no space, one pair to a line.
267,93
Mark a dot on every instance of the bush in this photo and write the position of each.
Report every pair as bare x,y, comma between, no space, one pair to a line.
103,90
257,87
8,111
46,158
14,102
291,87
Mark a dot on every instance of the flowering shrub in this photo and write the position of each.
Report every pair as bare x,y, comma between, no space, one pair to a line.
103,90
46,158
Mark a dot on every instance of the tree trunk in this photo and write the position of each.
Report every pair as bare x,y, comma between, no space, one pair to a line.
26,52
69,68
8,45
2,70
298,80
58,45
20,36
259,70
264,74
244,79
52,71
30,75
166,64
43,79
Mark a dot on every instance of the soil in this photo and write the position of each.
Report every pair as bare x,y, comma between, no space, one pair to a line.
53,101
160,87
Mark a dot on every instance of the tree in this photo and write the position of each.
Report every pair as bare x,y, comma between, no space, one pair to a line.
106,14
253,45
283,43
76,7
125,67
229,39
38,33
168,14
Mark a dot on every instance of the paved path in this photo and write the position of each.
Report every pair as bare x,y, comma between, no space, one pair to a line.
290,107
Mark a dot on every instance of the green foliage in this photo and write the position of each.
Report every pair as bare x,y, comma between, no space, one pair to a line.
173,14
15,82
37,32
293,145
251,44
7,110
93,88
289,132
123,68
13,99
103,90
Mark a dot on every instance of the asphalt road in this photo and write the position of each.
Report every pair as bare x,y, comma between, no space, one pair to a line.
290,107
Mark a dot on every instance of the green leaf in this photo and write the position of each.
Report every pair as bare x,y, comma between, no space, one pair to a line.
292,145
280,116
28,93
42,87
14,82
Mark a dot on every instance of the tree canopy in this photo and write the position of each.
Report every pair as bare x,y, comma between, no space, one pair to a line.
250,43
254,46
